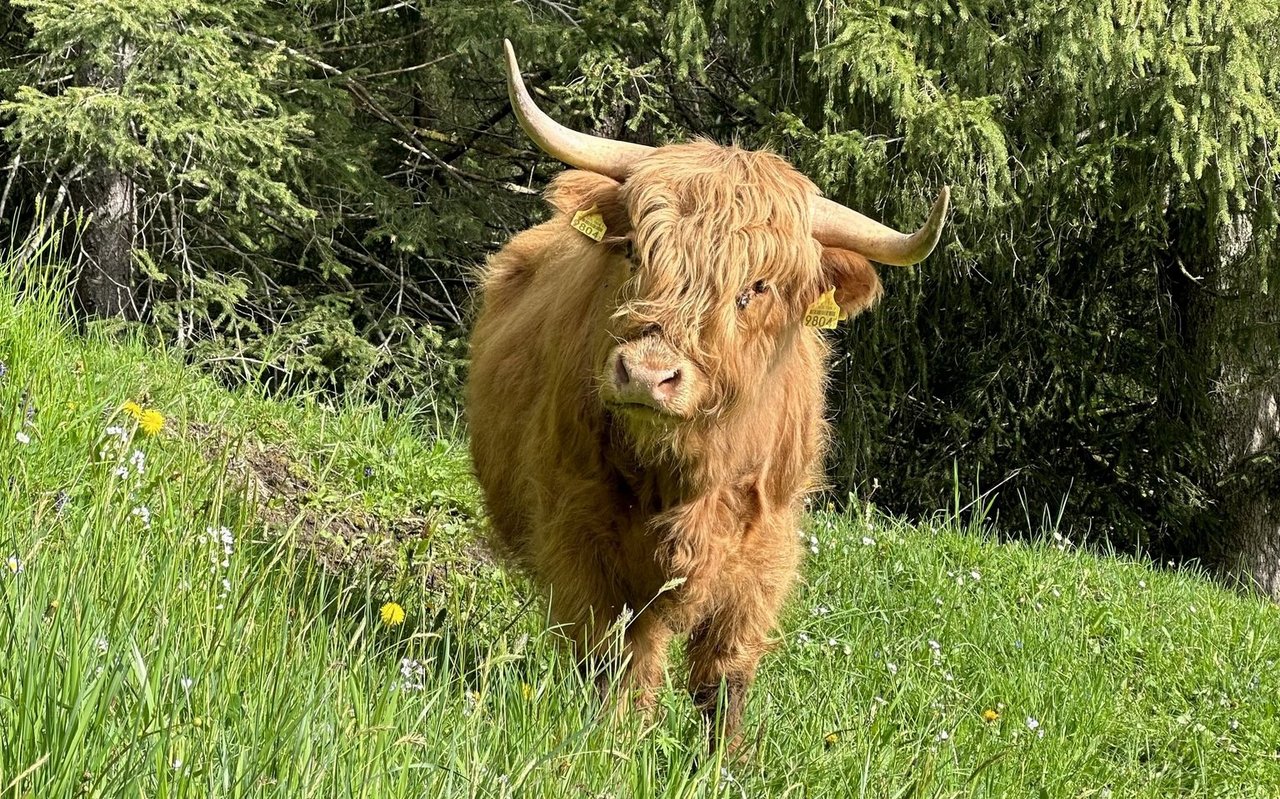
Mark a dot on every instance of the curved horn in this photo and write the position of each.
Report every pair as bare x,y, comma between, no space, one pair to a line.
592,153
837,226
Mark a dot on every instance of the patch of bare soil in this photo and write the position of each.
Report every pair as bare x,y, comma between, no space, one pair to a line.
340,537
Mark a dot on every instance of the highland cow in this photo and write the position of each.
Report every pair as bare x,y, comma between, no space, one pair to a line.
646,391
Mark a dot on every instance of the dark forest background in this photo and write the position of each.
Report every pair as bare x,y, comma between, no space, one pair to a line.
298,194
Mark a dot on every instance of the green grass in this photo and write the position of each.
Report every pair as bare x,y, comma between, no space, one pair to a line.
128,668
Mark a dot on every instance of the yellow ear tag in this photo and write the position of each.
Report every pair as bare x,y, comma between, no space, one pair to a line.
590,223
825,313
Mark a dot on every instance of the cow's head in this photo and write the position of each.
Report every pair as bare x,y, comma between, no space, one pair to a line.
718,252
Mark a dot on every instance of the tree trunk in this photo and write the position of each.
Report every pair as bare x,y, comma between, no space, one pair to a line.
106,285
1243,436
1251,495
108,198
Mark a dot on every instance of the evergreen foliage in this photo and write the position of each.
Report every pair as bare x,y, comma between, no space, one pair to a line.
1107,264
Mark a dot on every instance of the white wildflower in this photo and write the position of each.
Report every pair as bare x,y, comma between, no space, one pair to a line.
221,538
22,437
221,547
413,674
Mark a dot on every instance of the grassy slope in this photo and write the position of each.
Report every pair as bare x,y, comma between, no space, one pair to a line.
125,670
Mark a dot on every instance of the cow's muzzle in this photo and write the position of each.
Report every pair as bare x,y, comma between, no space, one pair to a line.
646,374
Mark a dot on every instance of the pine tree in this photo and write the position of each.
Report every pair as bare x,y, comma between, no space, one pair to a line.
151,110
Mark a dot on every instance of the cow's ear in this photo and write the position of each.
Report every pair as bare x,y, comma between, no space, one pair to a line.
856,282
575,190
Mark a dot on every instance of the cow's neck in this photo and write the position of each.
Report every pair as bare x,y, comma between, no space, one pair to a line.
690,465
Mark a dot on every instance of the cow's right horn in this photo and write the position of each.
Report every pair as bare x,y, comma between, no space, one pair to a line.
592,153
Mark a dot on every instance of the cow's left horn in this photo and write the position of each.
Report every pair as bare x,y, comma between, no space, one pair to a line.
837,226
592,153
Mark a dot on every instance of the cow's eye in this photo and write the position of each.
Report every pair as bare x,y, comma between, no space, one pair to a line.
748,294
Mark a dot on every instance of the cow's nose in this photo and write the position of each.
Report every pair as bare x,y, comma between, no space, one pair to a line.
644,382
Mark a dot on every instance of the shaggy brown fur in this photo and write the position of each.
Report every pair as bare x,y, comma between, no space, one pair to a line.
605,505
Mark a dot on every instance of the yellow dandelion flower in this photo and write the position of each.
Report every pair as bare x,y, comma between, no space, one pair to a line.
527,690
990,715
830,739
151,421
133,409
392,614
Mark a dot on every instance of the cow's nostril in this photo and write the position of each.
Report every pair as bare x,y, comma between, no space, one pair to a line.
640,381
620,374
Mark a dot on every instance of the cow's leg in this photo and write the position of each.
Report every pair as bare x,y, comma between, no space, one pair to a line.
612,645
716,660
586,604
725,649
648,641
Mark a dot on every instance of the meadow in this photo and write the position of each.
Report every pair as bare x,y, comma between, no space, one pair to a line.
213,592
